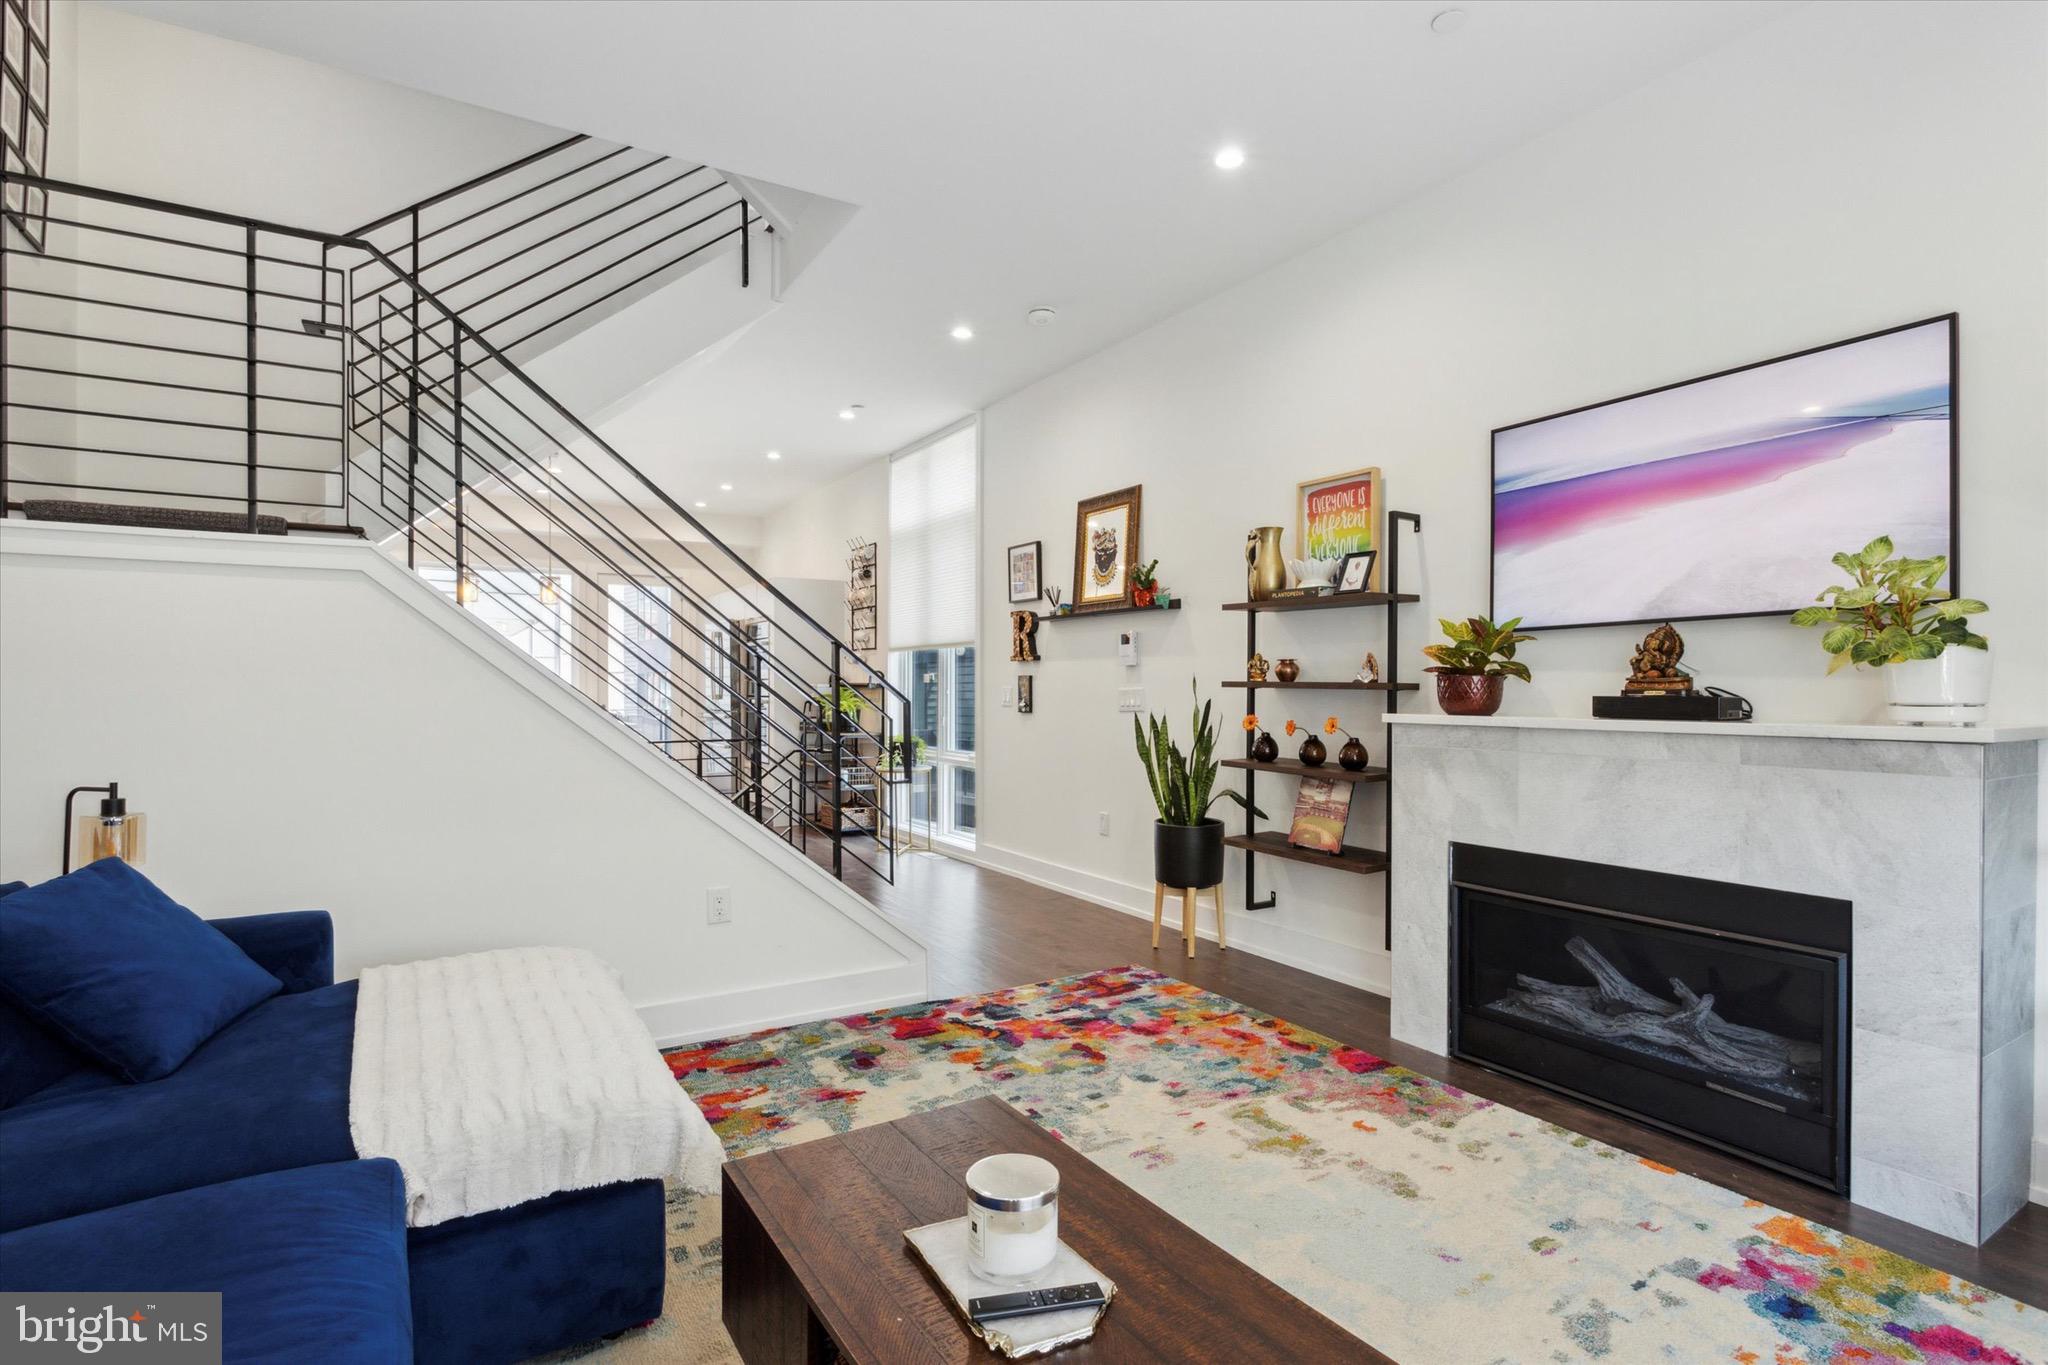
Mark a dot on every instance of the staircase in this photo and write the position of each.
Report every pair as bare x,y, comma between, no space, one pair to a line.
160,362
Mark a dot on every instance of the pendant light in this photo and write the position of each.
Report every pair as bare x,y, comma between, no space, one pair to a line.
549,594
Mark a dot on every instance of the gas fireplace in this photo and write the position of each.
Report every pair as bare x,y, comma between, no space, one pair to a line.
1716,1011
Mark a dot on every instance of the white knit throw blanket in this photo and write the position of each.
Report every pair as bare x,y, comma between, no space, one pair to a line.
494,1078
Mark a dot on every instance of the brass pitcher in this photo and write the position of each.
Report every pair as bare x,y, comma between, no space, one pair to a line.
1265,572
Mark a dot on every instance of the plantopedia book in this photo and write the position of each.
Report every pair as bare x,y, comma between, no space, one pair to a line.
1321,808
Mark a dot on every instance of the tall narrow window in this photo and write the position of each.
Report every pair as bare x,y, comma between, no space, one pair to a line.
933,536
637,662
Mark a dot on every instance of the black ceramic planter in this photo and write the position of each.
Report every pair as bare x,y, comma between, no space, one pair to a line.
1187,855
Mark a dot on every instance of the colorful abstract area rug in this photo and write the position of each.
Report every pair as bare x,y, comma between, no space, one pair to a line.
1436,1225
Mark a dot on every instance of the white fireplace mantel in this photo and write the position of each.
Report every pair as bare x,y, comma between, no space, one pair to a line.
1908,734
1929,833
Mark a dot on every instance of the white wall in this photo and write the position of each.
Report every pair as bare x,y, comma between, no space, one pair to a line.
807,538
1847,168
176,114
305,725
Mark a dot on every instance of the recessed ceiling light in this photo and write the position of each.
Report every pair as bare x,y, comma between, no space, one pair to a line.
1229,158
849,412
1040,317
1810,409
702,503
555,468
725,488
962,333
1448,21
774,454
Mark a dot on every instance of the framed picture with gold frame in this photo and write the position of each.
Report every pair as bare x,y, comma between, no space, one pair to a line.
1105,547
1338,516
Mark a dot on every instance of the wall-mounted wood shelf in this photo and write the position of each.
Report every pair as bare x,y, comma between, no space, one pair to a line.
1303,685
1273,844
1336,772
1325,602
1174,605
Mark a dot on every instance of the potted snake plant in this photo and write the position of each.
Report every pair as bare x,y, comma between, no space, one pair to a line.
1187,842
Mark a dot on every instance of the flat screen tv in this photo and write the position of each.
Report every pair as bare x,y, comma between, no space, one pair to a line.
1727,495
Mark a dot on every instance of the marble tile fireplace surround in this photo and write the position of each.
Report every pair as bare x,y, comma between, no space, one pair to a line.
1930,835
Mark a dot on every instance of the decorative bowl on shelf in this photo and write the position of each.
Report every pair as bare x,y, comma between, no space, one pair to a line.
1315,573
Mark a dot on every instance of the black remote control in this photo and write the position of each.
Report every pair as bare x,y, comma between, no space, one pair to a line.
997,1306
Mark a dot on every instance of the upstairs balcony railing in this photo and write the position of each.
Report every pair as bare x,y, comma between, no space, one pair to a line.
158,360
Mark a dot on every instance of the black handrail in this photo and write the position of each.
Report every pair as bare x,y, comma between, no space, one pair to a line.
473,182
490,351
421,385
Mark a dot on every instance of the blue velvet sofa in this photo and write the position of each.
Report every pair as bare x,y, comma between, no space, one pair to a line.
235,1172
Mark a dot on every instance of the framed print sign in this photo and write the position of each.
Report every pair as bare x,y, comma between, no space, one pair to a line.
1105,548
1026,583
1338,516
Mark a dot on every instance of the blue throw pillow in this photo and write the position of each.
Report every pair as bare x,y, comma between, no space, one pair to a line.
122,971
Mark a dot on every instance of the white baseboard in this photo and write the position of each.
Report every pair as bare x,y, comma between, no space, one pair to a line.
2039,1192
1368,969
676,1022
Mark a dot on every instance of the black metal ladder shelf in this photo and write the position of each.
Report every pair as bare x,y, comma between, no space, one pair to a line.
1273,843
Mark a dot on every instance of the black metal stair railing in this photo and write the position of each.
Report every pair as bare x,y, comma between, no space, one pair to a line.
554,236
155,356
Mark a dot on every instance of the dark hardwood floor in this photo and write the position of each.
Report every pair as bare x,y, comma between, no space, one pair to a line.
985,931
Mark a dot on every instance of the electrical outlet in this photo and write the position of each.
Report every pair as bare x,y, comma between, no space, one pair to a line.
718,905
1130,700
1102,823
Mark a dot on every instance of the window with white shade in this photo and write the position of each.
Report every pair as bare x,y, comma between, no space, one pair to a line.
932,542
934,521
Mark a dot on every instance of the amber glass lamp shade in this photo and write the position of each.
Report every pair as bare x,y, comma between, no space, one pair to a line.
114,832
122,836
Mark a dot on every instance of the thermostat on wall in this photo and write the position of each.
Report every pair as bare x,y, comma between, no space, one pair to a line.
1127,648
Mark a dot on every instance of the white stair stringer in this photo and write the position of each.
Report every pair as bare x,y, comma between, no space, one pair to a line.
315,725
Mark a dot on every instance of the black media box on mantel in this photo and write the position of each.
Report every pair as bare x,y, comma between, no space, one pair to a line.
1712,704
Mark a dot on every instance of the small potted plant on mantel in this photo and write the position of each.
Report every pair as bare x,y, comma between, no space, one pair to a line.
1473,663
1187,842
1891,615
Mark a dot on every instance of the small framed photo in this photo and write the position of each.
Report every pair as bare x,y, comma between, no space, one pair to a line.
1024,694
1027,583
1355,573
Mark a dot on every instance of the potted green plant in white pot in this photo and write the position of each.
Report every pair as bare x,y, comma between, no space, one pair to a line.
1893,615
1187,842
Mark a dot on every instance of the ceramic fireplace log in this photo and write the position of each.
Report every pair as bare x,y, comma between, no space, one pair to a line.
1616,1008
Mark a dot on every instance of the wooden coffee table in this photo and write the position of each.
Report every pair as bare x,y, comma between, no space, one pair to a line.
816,1266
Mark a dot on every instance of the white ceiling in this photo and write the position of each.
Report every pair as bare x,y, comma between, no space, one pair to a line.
1002,155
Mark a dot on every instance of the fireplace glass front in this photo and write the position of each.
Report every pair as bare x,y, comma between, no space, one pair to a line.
1712,1010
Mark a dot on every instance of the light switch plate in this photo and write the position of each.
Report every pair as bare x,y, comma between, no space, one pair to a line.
1130,700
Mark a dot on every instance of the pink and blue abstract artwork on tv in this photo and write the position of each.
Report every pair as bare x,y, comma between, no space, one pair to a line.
1726,496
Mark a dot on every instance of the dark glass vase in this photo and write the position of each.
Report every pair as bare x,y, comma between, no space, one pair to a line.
1265,749
1313,753
1352,756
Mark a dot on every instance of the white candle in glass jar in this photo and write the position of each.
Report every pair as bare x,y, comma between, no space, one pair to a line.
1013,1216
